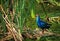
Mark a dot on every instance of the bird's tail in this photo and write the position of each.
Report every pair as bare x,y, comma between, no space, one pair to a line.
50,24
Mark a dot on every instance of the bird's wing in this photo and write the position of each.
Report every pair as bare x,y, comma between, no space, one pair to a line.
43,23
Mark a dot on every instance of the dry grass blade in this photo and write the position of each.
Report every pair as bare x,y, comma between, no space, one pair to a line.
10,26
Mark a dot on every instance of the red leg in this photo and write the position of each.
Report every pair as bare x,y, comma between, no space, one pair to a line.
45,30
42,31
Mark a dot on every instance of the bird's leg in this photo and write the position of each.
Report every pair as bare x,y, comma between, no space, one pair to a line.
42,31
45,30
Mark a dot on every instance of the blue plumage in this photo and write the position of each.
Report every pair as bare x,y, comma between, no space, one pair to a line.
42,24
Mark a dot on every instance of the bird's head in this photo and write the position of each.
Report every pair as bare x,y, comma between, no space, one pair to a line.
37,15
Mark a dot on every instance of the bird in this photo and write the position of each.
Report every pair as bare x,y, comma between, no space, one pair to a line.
42,24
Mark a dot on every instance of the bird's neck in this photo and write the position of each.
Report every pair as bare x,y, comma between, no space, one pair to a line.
38,18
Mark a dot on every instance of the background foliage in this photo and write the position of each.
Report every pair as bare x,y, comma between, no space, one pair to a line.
22,15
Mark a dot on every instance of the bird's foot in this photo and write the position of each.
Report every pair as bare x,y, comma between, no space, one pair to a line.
41,33
45,30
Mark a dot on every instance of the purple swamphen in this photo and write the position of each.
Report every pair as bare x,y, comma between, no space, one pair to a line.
41,24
